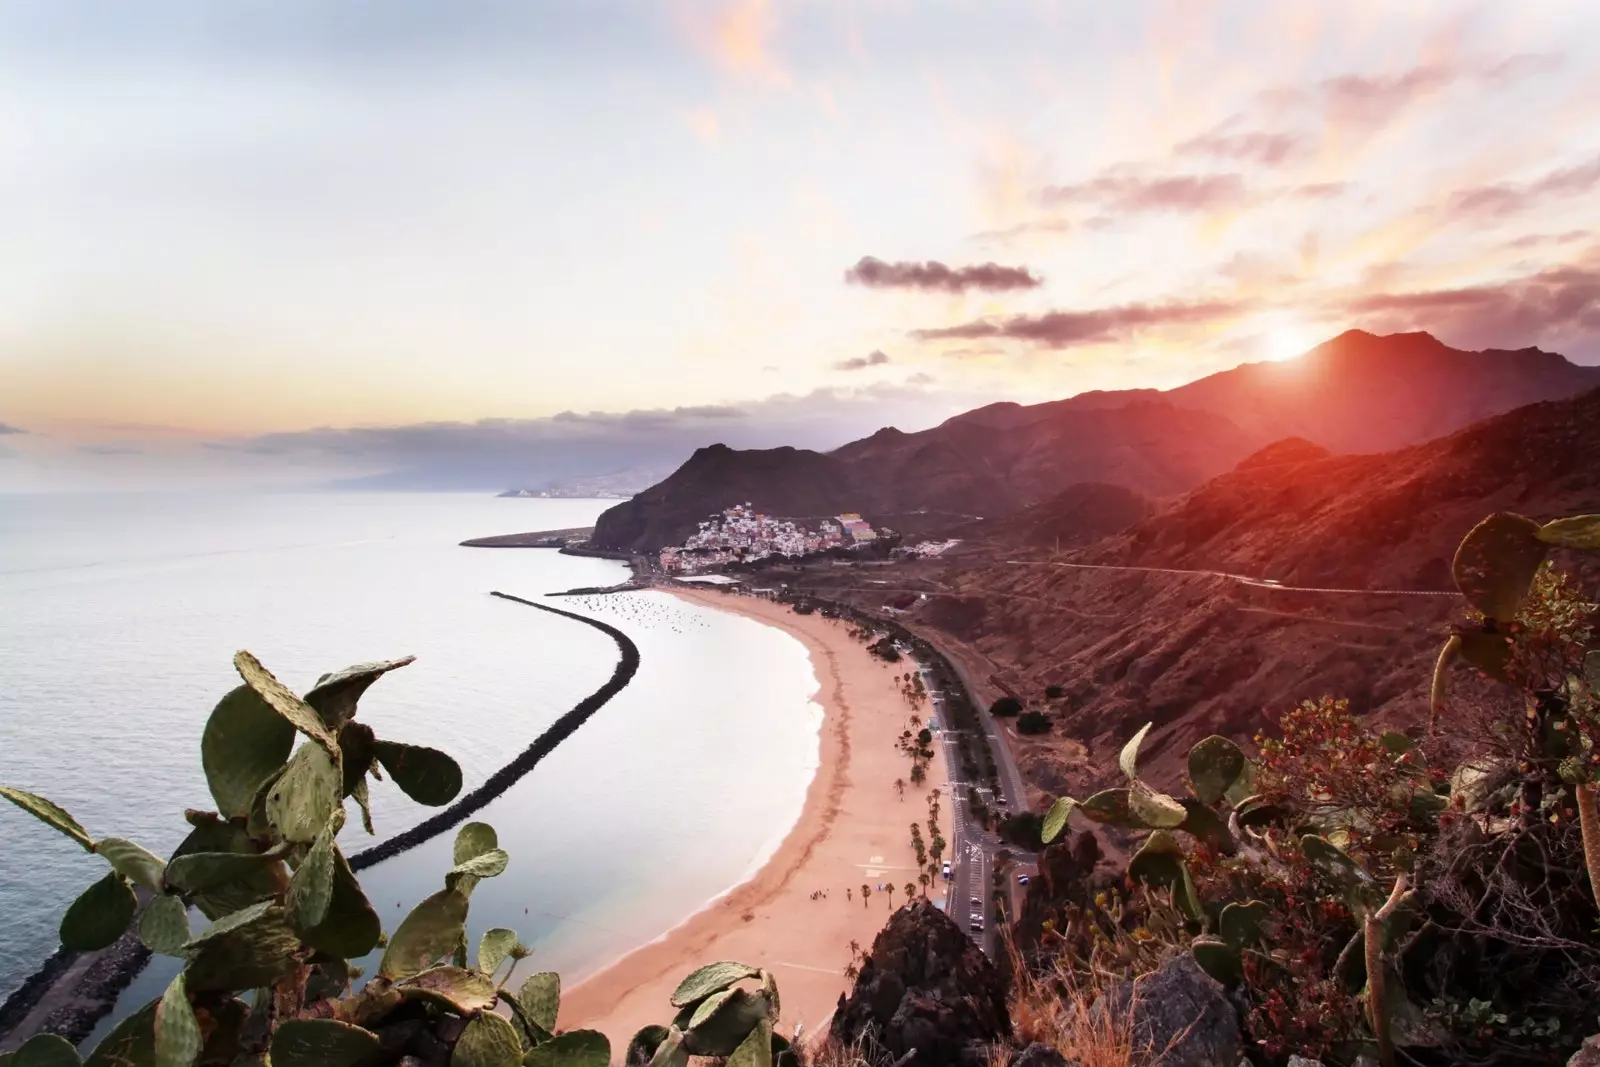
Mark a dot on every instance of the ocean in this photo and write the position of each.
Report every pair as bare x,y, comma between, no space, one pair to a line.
120,614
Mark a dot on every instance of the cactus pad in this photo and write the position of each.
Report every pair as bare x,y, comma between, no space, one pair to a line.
131,1043
132,862
50,814
756,1049
488,1041
1489,653
100,915
540,997
493,948
321,1043
1219,959
311,888
45,1050
722,1031
1241,923
249,949
1495,563
1128,759
430,933
1109,806
1153,810
644,1044
1217,768
284,702
1055,820
712,978
463,876
301,802
427,775
244,742
177,1030
1580,531
474,839
575,1048
454,988
164,926
1159,861
335,695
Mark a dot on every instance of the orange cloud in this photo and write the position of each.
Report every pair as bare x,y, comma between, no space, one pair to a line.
738,38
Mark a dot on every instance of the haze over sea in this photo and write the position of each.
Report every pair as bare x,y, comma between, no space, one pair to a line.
120,614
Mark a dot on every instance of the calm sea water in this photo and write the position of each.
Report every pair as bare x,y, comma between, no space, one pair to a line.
119,616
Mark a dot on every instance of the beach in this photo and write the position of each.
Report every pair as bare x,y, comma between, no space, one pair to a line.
799,914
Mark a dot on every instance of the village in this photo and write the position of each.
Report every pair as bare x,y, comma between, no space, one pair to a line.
740,534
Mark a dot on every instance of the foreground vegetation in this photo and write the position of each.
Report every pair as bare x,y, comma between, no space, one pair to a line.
1426,896
287,916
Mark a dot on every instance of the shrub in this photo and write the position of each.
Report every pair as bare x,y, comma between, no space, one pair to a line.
1033,722
287,916
1006,706
1054,692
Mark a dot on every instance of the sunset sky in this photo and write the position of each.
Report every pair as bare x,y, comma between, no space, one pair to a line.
292,241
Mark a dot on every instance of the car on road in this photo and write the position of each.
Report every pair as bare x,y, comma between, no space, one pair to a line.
947,871
1022,879
977,905
975,923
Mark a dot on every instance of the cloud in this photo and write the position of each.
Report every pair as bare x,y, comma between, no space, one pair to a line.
1503,199
1370,101
920,378
1549,307
1254,146
110,450
935,276
1545,240
1317,190
738,38
1068,329
876,358
1011,233
7,429
1127,193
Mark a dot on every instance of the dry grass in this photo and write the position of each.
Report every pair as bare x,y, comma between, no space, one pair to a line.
1054,1008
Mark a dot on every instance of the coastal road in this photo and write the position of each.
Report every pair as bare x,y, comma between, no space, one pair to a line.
1242,579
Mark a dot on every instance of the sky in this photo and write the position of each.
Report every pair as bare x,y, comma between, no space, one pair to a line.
482,243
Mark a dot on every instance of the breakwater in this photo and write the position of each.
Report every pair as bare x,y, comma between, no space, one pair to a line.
72,991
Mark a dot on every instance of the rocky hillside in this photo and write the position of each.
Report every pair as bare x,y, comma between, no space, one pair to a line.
1200,654
1356,393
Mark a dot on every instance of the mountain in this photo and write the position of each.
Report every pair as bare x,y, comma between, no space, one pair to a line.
1200,654
1358,392
1074,517
963,469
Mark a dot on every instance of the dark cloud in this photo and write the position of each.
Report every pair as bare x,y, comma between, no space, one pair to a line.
1067,329
1551,307
1503,199
875,358
1251,146
877,274
1128,193
7,429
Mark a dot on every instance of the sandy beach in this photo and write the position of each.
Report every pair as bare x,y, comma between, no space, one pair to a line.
854,829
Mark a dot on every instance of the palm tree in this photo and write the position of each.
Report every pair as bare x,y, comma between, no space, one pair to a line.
918,775
890,890
900,787
866,891
911,890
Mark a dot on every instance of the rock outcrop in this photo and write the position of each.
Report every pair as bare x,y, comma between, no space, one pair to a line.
1178,1016
924,986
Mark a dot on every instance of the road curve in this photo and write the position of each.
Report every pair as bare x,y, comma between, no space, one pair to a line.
1242,579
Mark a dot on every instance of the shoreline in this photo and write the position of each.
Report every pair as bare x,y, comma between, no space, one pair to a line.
852,829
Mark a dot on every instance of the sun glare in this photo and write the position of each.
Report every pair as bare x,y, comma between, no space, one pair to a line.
1282,339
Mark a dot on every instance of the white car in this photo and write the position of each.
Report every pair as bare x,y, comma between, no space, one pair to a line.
1022,879
947,870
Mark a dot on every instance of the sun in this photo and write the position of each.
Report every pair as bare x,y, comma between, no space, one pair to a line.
1282,338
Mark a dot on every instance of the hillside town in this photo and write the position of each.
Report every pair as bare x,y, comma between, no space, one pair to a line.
740,534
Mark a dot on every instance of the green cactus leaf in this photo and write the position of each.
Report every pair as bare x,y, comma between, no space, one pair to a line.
493,948
644,1045
46,1050
1396,743
356,754
133,862
1451,649
282,700
1109,806
473,840
335,695
755,1050
1055,820
358,793
1154,810
249,949
488,1041
1242,923
322,1043
50,814
464,876
1496,561
1258,810
311,888
1160,861
428,934
719,1033
1216,765
1489,653
575,1048
1128,759
1204,824
426,775
300,804
455,988
131,1043
671,1052
1580,531
707,1007
100,915
216,885
164,926
177,1030
712,978
1219,959
540,997
244,742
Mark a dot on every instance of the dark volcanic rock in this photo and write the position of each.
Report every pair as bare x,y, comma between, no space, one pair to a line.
1039,1054
924,986
1179,1016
